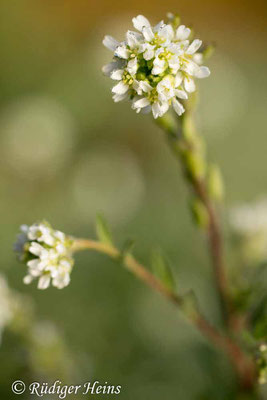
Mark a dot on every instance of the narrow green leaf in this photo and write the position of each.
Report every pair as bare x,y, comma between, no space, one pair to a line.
190,304
102,230
215,183
208,51
162,270
199,213
126,249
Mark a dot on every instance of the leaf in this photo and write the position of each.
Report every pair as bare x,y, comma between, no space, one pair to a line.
162,270
199,213
190,304
126,249
215,183
102,230
208,51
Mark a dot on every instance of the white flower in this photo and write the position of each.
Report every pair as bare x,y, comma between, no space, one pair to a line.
155,66
41,233
47,253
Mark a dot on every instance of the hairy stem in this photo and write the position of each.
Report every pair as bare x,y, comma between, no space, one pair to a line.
241,363
186,147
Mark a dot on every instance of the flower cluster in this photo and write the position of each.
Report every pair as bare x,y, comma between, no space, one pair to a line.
155,67
47,253
249,224
249,219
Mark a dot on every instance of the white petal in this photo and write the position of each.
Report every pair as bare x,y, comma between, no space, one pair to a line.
184,44
159,66
146,110
117,74
44,282
144,102
35,272
47,239
181,94
156,110
198,58
140,22
189,85
34,264
132,66
157,70
182,32
62,280
164,108
159,109
175,49
202,72
145,86
36,249
178,79
122,52
133,39
148,33
190,67
158,26
24,228
120,97
194,46
28,279
109,68
166,32
110,42
61,249
159,51
149,53
60,235
174,64
159,63
178,107
66,265
120,88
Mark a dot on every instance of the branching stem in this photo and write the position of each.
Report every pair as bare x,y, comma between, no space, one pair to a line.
244,368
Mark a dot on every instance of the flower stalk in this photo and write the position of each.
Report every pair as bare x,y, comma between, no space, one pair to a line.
242,364
188,149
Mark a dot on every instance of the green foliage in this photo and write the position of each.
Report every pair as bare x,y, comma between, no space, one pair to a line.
102,230
195,164
190,304
199,213
126,249
208,51
215,183
162,269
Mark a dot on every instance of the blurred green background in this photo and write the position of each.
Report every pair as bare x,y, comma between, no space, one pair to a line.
67,151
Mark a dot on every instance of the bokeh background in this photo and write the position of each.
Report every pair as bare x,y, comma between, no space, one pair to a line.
67,151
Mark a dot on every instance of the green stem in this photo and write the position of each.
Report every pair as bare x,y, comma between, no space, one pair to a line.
188,149
242,364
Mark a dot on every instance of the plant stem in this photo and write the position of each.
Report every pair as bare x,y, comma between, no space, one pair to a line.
241,363
185,146
216,249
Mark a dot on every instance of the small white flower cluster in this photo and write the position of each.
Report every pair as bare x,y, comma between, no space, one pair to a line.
155,67
47,253
6,312
250,219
